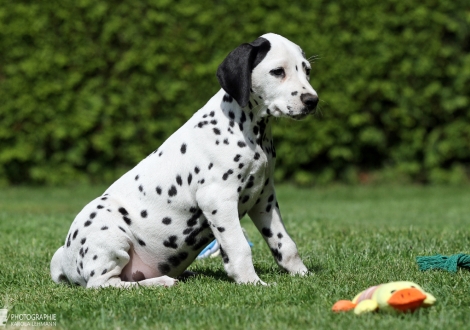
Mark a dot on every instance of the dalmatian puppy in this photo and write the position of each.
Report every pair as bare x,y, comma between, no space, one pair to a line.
151,223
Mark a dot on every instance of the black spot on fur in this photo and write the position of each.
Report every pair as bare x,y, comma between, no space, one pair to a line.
68,241
266,182
231,115
122,228
210,166
237,158
95,257
216,131
193,220
279,235
104,198
143,213
75,234
166,221
214,122
227,98
267,232
159,190
136,177
190,178
104,228
127,220
202,242
141,188
83,240
221,229
241,144
164,268
100,207
239,189
214,212
226,174
187,231
81,264
123,211
92,273
243,117
212,114
171,242
104,271
179,181
141,242
271,198
196,170
174,260
249,184
279,245
245,199
240,166
257,155
277,254
172,191
226,141
294,93
193,209
224,256
183,148
268,208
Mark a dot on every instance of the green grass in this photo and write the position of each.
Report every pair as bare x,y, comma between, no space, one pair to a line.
350,237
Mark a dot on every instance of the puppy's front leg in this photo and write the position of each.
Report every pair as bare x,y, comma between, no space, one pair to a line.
267,218
222,215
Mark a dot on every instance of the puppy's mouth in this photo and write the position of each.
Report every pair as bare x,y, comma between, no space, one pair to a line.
303,113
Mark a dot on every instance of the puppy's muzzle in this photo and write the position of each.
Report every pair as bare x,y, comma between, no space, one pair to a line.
310,102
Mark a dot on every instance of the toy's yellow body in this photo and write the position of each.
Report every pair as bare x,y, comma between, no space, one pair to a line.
394,296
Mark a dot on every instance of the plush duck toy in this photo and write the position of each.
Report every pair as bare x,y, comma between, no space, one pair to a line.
393,296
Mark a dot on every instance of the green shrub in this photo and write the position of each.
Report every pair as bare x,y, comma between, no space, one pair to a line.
89,88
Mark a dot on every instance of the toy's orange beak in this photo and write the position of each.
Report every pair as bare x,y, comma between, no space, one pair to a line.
407,299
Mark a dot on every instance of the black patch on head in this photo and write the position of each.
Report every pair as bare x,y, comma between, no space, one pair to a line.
171,242
234,73
267,232
141,242
75,234
164,268
123,211
166,221
159,190
127,220
179,181
143,213
241,144
183,148
172,191
104,228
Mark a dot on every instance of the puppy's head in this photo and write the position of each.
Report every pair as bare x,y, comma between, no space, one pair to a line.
275,71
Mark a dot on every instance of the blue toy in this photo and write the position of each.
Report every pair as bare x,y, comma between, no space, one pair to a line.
213,249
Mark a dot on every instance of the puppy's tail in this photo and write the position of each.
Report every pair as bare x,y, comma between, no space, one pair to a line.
57,273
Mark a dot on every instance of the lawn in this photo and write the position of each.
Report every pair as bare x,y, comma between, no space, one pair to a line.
349,237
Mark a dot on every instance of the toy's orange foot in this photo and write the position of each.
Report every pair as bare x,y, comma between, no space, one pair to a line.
343,306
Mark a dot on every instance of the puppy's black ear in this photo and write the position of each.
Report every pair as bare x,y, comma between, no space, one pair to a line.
234,74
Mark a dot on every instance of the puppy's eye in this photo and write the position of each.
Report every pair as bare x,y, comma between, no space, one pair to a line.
279,72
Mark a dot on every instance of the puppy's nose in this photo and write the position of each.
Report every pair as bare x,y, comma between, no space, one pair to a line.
309,100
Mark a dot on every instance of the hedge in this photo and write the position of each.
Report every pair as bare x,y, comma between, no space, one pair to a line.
89,88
